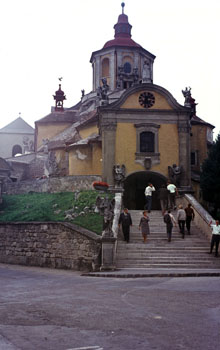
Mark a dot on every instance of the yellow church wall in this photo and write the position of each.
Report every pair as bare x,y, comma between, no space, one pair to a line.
85,160
199,142
46,131
97,159
87,131
133,101
168,148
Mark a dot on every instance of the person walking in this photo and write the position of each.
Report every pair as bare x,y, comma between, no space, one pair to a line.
144,226
181,217
189,217
126,221
172,195
169,221
163,197
148,196
215,237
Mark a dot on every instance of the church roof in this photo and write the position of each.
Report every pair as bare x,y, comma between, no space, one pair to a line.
18,126
196,120
59,117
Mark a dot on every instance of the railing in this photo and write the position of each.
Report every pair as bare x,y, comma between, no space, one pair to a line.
202,217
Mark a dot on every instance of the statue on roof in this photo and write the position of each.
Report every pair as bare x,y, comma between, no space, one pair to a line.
189,101
102,91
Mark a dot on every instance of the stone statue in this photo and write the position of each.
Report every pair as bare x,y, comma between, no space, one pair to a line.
119,174
28,144
45,145
174,174
146,77
189,101
106,209
102,91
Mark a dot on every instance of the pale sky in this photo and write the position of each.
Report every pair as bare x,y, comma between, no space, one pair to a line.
42,40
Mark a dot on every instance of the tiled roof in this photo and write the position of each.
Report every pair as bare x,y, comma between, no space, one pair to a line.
18,126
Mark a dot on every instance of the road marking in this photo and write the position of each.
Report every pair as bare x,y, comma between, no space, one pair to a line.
87,348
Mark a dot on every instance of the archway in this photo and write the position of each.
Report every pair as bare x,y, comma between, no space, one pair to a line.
134,187
16,150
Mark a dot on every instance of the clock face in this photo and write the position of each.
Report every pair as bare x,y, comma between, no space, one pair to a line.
146,99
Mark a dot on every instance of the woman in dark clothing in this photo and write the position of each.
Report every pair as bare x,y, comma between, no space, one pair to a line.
189,216
144,226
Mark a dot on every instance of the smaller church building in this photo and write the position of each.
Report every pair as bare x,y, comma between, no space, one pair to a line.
126,120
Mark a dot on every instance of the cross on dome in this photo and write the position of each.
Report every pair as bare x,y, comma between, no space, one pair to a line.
122,5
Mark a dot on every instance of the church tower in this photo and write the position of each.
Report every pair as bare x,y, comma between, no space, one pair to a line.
121,61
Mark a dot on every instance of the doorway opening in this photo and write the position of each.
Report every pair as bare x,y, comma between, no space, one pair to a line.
134,187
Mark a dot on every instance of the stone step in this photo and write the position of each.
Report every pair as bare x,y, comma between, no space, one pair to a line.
190,252
180,266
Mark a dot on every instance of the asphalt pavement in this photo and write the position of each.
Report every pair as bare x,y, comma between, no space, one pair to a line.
50,309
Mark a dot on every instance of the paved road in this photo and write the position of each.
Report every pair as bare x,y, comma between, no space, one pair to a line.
43,309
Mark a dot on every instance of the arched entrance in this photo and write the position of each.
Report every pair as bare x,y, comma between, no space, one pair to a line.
134,187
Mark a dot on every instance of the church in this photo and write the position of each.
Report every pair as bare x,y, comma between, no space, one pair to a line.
126,120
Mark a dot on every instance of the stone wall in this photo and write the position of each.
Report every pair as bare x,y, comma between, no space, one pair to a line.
49,244
52,184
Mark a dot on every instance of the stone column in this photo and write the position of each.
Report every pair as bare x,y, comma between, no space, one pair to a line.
108,150
97,72
184,153
112,71
108,253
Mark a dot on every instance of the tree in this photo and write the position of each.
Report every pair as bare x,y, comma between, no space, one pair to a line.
210,176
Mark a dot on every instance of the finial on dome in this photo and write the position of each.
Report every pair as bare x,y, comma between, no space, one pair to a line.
122,5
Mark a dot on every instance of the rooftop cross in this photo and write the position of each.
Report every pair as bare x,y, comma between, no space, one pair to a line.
123,5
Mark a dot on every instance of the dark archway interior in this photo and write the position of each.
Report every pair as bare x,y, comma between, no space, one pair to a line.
134,187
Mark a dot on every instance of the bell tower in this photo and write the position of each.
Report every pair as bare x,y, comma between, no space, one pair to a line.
122,61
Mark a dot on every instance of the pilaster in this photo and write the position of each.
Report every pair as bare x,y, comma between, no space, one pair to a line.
108,129
184,153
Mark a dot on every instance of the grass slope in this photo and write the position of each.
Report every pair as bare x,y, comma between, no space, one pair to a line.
52,207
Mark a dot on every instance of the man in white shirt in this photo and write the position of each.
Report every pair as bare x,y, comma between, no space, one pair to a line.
215,237
148,195
172,195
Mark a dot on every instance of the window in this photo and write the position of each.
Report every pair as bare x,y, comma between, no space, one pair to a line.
127,67
146,141
105,68
147,144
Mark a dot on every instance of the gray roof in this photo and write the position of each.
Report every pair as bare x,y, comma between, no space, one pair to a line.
18,126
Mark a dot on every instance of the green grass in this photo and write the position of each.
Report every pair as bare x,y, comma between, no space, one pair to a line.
51,207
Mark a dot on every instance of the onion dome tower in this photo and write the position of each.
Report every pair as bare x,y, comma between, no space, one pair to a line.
122,61
59,97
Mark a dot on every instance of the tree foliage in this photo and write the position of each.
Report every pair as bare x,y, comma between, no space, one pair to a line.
210,176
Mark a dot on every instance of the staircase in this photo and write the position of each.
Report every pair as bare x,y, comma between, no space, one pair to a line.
190,252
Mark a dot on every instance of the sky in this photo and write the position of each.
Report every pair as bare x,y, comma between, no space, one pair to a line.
42,40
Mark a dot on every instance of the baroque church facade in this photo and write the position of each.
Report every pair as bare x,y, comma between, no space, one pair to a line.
126,120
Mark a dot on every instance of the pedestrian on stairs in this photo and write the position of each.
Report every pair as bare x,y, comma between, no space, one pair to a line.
169,221
190,215
163,197
144,225
215,236
181,217
148,196
126,222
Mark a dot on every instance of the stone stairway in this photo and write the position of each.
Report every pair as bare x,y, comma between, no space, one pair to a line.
190,252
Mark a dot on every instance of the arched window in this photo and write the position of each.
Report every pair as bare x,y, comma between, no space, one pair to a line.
16,149
127,67
146,141
105,68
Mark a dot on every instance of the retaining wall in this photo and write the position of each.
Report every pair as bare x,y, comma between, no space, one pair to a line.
49,244
52,184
